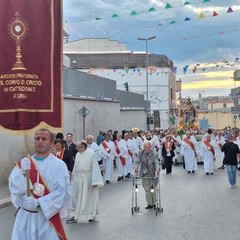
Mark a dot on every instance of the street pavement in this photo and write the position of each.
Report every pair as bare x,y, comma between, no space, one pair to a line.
195,207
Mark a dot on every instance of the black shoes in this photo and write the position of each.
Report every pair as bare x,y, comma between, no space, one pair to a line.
222,167
71,220
107,182
128,175
92,220
207,173
149,207
119,179
188,172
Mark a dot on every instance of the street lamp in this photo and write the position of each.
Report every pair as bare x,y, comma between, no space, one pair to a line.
146,67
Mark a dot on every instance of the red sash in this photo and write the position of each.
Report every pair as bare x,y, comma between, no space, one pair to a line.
220,145
123,160
55,220
60,155
175,141
166,146
209,146
187,141
129,152
108,150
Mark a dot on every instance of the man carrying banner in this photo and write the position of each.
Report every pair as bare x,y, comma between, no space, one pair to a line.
208,153
38,215
189,150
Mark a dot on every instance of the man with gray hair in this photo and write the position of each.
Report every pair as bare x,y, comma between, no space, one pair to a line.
147,166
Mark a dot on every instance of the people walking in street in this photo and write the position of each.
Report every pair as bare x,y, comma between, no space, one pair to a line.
38,215
208,154
147,166
189,150
71,147
107,154
85,182
121,155
168,153
231,152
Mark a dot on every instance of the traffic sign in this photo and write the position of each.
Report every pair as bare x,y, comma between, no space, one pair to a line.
84,111
235,116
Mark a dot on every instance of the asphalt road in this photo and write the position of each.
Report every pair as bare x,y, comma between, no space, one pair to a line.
195,207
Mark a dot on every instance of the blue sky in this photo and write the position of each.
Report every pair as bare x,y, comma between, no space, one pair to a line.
209,43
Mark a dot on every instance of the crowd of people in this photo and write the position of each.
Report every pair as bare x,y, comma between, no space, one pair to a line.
43,189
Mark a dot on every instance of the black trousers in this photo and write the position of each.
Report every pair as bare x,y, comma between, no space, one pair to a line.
168,163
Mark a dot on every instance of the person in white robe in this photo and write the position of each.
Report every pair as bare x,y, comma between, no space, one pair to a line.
220,140
189,150
34,214
85,183
107,154
208,152
139,140
92,145
177,142
121,156
134,146
129,159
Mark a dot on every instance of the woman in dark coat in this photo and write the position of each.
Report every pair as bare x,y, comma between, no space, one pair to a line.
62,153
168,153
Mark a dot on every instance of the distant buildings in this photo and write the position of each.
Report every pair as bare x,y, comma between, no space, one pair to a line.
111,59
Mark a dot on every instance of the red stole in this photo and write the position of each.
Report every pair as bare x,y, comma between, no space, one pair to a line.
209,147
106,147
60,155
123,160
220,145
187,141
55,220
169,148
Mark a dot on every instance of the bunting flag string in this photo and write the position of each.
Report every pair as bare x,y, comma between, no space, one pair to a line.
193,68
150,10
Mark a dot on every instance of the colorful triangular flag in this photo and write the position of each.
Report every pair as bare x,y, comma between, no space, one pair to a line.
229,10
168,6
152,9
133,13
186,3
206,0
187,19
114,15
201,15
98,18
214,14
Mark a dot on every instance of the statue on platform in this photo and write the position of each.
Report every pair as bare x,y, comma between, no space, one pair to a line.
188,113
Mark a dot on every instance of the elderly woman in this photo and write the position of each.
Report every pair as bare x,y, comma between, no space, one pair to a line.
168,153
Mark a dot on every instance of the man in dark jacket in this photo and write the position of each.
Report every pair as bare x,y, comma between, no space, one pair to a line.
231,150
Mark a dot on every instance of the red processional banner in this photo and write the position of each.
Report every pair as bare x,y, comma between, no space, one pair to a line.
31,63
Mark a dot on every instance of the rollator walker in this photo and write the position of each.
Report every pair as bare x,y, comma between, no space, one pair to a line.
137,181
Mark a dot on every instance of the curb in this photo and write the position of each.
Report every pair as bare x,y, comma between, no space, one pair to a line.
5,202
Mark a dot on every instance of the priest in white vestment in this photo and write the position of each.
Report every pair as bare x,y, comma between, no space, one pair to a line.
107,154
189,150
85,183
208,152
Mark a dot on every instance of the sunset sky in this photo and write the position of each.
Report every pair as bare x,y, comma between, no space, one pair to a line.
201,34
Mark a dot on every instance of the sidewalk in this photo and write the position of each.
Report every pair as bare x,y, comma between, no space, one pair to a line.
4,196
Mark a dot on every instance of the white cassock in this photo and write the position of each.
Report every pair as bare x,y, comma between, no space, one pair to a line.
35,226
123,153
107,159
134,148
95,148
85,197
140,143
129,160
189,154
219,154
177,142
208,157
